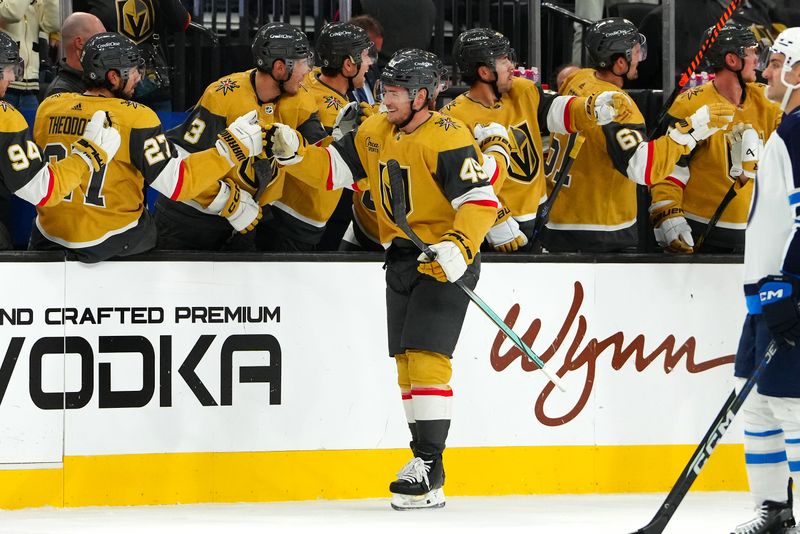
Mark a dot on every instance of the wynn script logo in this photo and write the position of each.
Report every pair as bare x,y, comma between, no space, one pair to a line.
582,353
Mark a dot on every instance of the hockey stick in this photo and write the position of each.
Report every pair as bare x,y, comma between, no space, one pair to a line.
684,79
397,186
574,143
706,447
712,222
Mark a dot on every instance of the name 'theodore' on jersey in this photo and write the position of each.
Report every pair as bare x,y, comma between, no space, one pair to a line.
111,200
23,169
443,169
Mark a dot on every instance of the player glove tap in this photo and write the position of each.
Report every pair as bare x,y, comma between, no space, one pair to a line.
505,235
745,149
243,139
286,145
350,118
454,253
242,212
702,124
99,143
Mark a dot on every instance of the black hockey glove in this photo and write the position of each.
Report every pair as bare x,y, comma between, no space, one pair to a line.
781,309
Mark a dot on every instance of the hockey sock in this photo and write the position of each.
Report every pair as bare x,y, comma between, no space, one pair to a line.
765,452
431,398
787,411
404,382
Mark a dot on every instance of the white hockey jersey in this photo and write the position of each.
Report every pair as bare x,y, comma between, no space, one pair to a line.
772,238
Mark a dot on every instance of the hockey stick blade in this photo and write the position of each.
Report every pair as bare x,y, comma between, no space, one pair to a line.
712,222
399,206
687,74
703,451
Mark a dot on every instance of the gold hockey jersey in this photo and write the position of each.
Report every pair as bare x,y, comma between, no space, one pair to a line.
25,172
446,185
231,97
700,180
522,111
307,204
111,200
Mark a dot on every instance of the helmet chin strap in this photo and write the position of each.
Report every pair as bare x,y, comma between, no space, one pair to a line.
492,84
789,90
289,67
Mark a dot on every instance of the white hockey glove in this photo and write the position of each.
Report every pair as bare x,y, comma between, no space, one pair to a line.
745,147
493,138
505,235
606,105
242,139
453,254
99,143
672,231
702,124
350,118
242,212
286,145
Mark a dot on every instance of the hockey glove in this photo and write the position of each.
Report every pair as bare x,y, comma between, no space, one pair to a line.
243,139
242,212
671,229
608,106
702,124
453,254
745,147
284,144
350,118
505,235
779,305
99,143
493,138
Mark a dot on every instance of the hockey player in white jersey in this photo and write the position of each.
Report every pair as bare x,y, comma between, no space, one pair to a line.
772,290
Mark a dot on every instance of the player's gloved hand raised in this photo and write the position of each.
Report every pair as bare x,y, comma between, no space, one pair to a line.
505,235
779,305
242,212
284,144
745,148
671,229
608,106
454,253
242,139
99,142
350,118
493,137
702,124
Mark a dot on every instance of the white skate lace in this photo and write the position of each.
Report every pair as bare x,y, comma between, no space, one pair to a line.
754,524
416,470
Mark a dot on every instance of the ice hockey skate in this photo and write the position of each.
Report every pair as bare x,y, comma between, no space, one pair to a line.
419,485
773,518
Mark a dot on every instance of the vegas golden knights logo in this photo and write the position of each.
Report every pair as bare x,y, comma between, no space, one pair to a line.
524,156
135,19
386,191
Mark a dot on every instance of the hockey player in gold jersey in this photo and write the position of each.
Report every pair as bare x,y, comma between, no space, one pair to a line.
105,217
344,54
596,208
683,205
450,204
282,56
519,110
23,170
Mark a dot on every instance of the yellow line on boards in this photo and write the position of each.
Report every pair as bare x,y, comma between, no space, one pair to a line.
141,479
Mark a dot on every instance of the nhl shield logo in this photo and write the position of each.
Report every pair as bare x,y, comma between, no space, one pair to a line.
135,19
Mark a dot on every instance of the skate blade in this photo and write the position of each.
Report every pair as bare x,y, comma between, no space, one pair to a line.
432,499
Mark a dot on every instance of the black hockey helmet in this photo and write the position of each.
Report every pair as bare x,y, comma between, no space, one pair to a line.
9,56
109,51
441,69
731,39
413,70
338,41
480,46
607,39
279,40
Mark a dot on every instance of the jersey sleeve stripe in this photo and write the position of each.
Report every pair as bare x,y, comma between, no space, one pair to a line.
676,182
179,185
558,115
649,166
794,198
567,124
50,184
483,196
339,173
